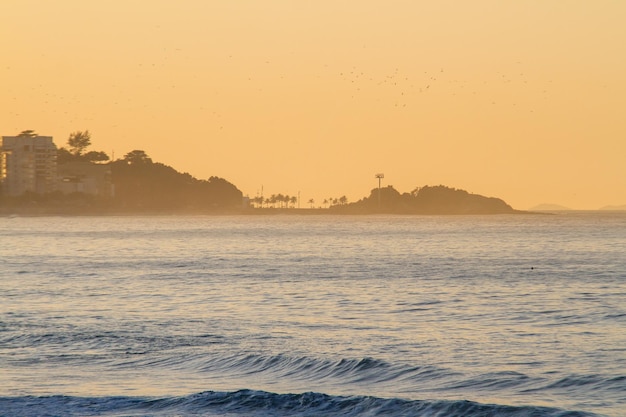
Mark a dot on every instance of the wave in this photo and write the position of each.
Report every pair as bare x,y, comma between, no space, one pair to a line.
261,403
212,355
373,372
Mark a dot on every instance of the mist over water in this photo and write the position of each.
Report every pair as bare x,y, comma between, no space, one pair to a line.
405,315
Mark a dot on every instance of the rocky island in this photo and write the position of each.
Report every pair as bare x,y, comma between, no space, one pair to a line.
425,200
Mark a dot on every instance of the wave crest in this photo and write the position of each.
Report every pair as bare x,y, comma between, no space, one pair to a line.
261,403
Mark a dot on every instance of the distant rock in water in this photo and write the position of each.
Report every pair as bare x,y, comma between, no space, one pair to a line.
614,208
426,200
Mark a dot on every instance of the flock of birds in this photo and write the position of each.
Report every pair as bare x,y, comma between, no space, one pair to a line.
147,86
402,88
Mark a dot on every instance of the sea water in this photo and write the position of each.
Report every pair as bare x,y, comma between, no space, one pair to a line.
302,315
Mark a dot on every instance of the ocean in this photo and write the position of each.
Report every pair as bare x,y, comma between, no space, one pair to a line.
304,315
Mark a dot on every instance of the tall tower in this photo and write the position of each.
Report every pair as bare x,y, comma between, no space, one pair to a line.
380,177
28,163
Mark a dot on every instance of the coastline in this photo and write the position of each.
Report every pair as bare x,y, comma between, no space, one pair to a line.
99,211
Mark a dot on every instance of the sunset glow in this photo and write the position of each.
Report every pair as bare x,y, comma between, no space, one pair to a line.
519,100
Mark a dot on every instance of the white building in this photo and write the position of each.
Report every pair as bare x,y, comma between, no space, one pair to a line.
28,163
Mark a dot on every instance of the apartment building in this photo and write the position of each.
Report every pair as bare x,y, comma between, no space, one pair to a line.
28,163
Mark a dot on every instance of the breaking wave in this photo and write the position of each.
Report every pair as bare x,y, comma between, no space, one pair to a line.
260,403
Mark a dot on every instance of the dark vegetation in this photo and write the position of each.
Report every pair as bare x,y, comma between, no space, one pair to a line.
425,200
75,152
139,186
143,186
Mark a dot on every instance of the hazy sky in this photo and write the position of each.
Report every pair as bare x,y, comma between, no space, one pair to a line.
522,100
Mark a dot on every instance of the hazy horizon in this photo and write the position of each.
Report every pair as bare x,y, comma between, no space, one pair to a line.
520,101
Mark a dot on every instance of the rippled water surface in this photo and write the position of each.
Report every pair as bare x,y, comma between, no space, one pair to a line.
210,315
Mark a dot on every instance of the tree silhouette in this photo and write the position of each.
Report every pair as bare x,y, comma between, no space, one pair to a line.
27,134
137,157
95,156
258,200
78,142
146,185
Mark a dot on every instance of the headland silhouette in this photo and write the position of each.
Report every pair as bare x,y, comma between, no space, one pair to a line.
88,183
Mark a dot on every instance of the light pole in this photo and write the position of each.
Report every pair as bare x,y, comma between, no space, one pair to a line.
380,177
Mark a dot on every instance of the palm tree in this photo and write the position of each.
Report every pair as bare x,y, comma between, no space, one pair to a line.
258,200
280,199
311,202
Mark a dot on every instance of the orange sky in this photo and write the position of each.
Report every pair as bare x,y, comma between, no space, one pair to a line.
525,101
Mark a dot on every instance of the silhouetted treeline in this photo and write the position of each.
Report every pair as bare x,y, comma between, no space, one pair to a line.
77,143
137,185
88,183
141,184
425,200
